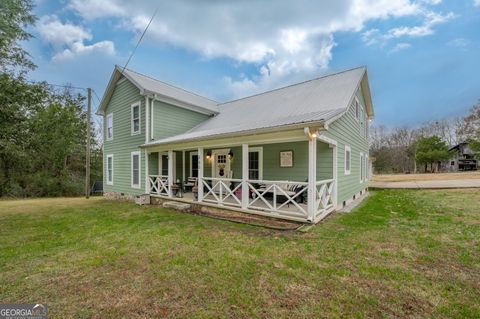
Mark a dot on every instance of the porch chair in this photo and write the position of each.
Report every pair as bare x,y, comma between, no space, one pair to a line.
190,183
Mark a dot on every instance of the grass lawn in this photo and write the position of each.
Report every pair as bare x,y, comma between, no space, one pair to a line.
401,254
425,177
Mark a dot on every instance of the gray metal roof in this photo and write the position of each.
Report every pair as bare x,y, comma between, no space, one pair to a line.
316,100
158,87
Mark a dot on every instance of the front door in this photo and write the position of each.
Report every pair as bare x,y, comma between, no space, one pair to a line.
220,167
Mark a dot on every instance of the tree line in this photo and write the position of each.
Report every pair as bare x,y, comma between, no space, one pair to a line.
420,149
43,128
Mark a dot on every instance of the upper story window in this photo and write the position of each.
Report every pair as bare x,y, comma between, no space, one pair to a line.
356,105
110,126
136,118
348,158
110,169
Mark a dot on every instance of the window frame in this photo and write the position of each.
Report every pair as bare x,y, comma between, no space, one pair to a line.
132,126
356,104
362,168
366,167
349,150
108,182
192,154
258,150
132,154
109,116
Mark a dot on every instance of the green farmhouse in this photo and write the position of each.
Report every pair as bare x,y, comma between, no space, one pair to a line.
299,152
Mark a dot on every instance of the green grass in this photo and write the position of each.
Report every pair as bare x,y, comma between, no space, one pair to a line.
401,254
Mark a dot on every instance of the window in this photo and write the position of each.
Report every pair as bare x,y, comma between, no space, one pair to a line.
362,121
135,158
110,169
255,163
135,118
362,168
165,165
347,159
366,168
110,127
193,164
357,108
452,163
221,158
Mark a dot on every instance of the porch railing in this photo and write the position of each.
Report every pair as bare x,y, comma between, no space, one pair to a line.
222,191
324,197
284,198
159,184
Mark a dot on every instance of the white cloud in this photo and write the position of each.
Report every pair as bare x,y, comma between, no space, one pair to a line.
476,3
459,43
287,42
431,19
68,40
400,46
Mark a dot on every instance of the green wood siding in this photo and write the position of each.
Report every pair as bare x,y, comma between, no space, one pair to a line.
123,143
347,131
169,120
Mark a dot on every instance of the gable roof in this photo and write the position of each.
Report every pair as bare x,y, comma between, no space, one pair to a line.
162,90
319,100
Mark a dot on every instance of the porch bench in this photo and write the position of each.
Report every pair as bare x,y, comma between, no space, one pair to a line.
190,183
289,189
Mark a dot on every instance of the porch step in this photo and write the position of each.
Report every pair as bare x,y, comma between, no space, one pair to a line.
177,206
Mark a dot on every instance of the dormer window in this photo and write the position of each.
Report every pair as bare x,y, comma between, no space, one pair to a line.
135,118
357,109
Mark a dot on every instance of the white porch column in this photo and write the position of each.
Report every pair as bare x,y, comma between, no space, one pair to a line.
147,178
183,167
335,175
200,174
147,120
170,172
312,177
245,190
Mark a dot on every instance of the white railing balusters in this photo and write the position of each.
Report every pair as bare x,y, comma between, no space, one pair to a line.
324,197
159,184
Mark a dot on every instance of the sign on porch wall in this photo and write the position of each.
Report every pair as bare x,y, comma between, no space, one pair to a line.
286,158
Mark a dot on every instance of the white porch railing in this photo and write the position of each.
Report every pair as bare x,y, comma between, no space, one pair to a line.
324,197
277,196
159,184
221,191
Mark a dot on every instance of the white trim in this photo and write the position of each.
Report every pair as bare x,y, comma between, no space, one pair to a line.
107,179
312,180
132,106
366,167
132,154
190,174
349,150
258,149
152,107
147,133
357,107
160,164
110,115
361,173
223,151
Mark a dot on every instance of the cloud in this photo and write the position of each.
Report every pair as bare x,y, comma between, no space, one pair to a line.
68,39
459,43
284,42
476,3
400,46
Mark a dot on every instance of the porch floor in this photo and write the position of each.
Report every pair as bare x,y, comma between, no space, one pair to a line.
231,207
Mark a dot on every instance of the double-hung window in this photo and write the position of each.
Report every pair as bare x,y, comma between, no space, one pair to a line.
135,118
110,169
362,168
110,127
348,159
135,158
255,163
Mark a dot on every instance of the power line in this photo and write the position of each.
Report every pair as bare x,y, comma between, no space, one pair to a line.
139,40
60,85
95,93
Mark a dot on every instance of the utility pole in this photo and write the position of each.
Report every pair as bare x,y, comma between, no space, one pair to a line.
87,157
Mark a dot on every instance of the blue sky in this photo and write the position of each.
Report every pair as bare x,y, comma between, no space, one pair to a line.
422,56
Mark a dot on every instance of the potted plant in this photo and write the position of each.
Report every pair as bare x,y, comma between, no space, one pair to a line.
175,189
195,192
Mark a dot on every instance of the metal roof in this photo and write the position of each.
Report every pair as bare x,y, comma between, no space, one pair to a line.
316,100
162,89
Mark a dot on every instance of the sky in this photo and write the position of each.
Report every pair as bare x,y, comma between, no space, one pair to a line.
423,56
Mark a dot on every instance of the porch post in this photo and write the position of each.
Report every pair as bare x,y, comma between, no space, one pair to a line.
170,172
147,181
200,174
245,188
183,167
312,178
335,175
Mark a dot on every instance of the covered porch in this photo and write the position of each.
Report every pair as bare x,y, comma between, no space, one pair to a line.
290,178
